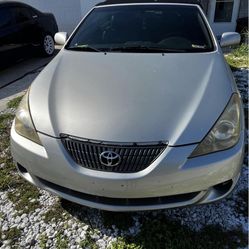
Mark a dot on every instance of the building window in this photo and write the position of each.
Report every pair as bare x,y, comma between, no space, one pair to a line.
223,11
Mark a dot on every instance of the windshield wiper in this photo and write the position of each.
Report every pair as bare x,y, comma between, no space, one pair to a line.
147,49
84,48
143,49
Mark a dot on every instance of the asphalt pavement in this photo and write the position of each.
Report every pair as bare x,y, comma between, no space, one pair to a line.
16,78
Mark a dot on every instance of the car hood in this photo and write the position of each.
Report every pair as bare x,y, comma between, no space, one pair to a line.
131,97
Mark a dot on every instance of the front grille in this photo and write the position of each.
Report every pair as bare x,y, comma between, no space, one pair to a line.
133,157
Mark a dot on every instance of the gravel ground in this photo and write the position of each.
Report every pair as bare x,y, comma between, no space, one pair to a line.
71,226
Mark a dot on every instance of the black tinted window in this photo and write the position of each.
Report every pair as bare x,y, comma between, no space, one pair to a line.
22,15
223,11
160,26
5,17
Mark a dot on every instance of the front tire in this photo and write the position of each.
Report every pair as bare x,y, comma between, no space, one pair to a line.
47,45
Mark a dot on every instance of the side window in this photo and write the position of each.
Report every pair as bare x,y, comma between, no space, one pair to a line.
223,11
5,17
22,14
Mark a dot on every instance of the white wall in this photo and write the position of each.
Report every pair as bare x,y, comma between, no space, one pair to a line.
86,5
67,12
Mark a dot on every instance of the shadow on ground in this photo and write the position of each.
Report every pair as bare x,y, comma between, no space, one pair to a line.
18,75
154,230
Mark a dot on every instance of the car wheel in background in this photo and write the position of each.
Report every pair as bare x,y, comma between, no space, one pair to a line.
47,45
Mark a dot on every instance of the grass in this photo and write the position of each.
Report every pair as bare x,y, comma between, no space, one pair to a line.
43,238
1,215
25,197
89,242
238,58
12,234
162,233
7,166
62,241
122,244
54,214
14,103
21,193
5,120
6,175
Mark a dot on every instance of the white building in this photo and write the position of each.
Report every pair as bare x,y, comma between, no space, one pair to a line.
222,14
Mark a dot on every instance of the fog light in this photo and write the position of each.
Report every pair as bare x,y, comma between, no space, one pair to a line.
223,187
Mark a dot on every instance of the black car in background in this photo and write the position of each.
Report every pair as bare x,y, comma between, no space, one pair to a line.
22,26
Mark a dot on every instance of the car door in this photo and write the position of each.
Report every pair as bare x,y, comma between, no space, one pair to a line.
8,31
26,21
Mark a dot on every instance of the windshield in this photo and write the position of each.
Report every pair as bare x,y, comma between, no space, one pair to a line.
143,28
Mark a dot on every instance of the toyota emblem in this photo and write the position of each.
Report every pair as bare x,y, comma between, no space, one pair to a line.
110,158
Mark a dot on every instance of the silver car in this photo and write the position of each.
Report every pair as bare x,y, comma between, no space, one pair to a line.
138,111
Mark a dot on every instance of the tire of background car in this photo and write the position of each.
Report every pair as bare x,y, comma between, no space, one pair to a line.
47,46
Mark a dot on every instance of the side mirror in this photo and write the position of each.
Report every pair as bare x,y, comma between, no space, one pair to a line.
60,38
229,39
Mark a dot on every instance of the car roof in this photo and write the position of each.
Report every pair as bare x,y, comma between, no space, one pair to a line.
116,2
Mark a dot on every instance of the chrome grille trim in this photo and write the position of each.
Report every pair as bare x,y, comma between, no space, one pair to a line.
135,156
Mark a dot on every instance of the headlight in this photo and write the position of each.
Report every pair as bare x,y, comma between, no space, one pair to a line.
23,123
225,133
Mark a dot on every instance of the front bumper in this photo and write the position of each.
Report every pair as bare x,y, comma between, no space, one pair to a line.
171,181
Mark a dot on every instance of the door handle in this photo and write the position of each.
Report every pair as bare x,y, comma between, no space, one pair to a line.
35,16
